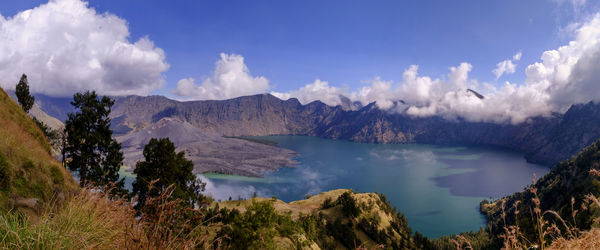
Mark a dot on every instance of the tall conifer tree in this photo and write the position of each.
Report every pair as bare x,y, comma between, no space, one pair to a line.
23,95
92,151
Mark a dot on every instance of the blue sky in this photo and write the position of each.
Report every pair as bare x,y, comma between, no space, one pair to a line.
313,50
344,42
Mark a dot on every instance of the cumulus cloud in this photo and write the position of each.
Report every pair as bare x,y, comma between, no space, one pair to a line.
230,79
64,46
507,66
562,77
318,90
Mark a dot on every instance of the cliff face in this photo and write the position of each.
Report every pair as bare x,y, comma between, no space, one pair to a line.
545,140
252,115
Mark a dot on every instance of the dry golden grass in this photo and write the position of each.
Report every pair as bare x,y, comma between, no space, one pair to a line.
587,240
88,220
93,220
296,208
548,223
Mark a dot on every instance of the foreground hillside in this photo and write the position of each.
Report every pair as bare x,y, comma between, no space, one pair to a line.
28,173
334,219
565,197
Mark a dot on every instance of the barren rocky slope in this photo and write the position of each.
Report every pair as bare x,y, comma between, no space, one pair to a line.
209,152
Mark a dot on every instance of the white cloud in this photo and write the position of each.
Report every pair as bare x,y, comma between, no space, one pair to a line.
507,66
222,191
230,79
318,90
563,77
65,47
379,91
517,56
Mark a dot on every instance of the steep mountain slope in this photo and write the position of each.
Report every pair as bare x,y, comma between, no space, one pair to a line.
563,190
27,170
255,115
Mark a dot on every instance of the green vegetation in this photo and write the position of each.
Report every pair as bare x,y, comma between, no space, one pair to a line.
22,92
27,170
26,100
561,200
351,221
93,153
163,167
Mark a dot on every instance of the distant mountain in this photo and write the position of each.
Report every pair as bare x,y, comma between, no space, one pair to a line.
544,140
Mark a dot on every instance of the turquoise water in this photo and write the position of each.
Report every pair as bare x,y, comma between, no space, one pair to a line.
438,188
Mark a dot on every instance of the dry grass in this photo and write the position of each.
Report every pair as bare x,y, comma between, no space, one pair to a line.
548,224
587,240
93,220
88,220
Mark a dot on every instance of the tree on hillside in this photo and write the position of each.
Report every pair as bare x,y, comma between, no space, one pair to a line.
23,96
93,153
164,167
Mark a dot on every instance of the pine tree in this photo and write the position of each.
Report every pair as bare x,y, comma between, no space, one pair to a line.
163,165
93,153
23,96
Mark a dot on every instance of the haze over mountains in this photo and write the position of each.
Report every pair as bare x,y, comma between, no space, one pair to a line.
544,140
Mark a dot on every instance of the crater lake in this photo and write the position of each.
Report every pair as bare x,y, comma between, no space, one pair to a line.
438,188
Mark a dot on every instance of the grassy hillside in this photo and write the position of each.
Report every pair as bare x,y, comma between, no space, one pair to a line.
27,170
337,219
567,191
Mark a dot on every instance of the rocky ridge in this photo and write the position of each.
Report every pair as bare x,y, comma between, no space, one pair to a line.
544,140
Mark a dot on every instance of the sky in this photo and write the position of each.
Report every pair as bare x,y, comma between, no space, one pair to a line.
426,53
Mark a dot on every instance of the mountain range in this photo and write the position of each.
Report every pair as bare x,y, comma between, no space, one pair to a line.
543,140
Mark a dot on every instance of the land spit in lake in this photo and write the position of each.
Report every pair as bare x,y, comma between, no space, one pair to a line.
438,188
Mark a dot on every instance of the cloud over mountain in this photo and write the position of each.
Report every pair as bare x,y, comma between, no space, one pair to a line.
230,79
563,77
64,46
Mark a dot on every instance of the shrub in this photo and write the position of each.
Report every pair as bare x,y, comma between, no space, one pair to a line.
349,206
28,164
56,174
327,203
344,232
5,174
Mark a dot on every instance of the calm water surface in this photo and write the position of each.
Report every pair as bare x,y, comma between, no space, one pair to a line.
438,188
